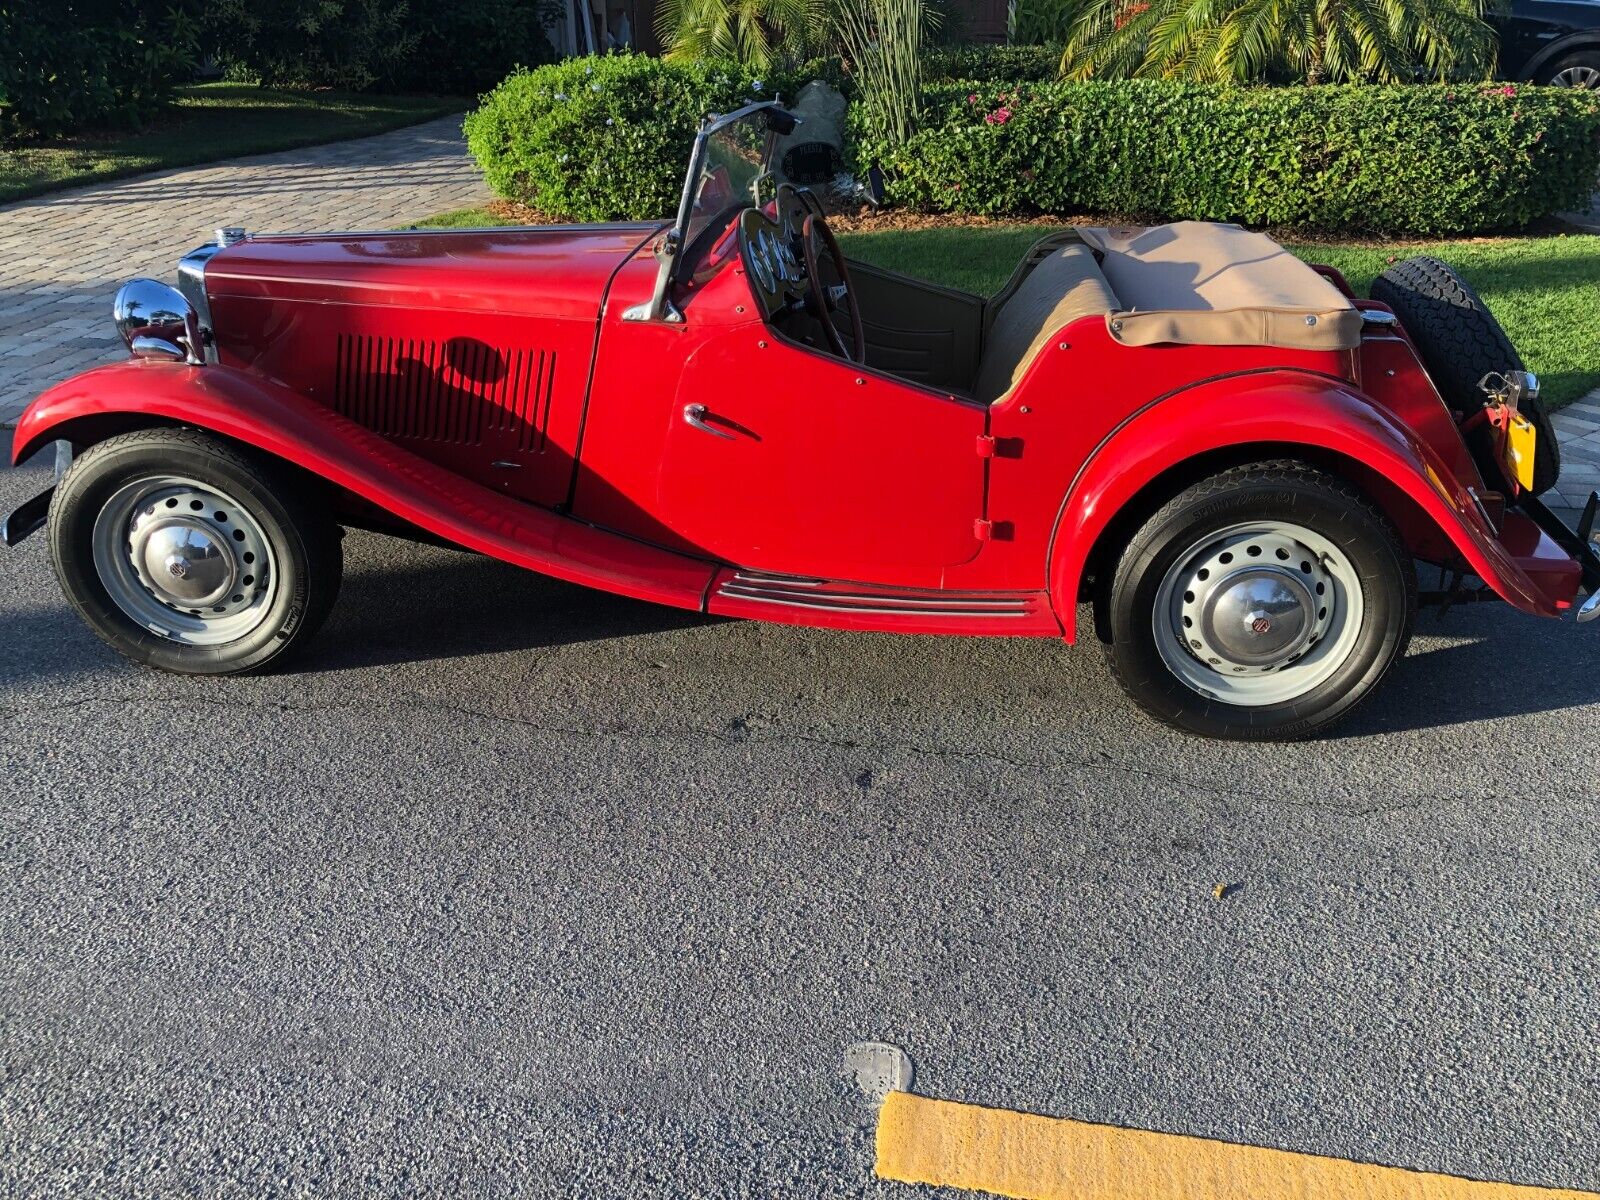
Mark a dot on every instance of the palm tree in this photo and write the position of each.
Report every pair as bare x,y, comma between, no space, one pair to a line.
751,32
1314,41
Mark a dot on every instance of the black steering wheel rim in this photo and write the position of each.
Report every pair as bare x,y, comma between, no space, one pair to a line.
814,231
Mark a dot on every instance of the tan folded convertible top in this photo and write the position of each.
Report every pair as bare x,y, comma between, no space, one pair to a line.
1204,284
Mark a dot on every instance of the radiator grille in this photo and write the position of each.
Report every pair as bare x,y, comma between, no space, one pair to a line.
461,392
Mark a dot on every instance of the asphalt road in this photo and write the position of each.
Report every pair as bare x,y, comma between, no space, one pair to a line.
517,889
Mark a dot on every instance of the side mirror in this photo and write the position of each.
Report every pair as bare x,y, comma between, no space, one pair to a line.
781,121
875,191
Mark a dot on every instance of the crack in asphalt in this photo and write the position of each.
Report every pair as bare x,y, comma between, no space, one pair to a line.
738,732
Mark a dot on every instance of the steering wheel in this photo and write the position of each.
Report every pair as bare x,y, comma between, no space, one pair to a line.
819,244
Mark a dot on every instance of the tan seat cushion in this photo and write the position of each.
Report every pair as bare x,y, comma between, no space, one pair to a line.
1206,284
1058,291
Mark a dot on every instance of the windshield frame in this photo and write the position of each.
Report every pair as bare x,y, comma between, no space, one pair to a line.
670,251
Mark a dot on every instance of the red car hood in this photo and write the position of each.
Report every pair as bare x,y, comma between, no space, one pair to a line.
556,271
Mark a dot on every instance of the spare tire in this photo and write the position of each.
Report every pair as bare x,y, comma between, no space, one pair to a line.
1460,342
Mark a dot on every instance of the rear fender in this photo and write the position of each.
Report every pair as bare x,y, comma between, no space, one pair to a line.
258,412
1278,411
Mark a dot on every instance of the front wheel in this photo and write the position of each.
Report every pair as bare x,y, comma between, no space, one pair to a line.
187,553
1264,603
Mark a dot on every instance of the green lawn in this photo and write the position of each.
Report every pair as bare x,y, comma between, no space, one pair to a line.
1545,290
211,121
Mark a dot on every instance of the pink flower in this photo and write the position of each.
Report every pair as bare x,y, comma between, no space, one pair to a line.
1508,90
998,117
972,99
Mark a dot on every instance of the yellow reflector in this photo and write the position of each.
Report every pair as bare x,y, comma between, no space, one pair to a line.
1521,442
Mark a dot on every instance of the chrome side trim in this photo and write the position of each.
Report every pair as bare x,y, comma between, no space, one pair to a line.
876,602
815,594
818,602
759,578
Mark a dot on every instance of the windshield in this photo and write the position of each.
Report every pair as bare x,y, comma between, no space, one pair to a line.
733,171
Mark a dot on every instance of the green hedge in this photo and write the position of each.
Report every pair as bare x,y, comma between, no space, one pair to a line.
607,138
602,139
1417,159
83,64
996,64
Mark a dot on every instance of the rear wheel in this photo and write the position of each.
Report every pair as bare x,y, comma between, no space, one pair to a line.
189,554
1460,342
1263,603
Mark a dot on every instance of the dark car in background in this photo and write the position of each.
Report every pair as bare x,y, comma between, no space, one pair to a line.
1550,41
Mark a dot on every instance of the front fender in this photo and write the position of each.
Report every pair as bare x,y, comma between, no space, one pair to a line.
258,412
1276,410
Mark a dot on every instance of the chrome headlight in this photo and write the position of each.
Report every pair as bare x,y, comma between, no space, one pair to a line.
156,321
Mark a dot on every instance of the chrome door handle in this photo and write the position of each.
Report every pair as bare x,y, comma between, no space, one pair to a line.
695,414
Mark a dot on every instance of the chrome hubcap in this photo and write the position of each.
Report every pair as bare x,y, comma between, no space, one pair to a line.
187,565
1258,614
184,560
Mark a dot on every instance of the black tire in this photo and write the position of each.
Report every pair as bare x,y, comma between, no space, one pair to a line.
1460,342
1287,492
304,543
1579,70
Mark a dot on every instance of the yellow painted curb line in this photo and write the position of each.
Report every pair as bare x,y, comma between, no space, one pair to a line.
1048,1158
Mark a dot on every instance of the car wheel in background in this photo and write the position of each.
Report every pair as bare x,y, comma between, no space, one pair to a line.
1580,70
1460,342
1264,603
187,553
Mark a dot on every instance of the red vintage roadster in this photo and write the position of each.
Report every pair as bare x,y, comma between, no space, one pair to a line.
1230,458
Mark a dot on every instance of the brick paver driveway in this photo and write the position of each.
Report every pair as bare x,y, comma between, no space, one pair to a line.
65,253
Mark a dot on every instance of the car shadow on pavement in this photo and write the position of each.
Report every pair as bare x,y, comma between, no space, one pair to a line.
429,603
1505,664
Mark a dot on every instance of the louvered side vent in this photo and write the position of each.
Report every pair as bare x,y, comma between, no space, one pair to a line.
463,392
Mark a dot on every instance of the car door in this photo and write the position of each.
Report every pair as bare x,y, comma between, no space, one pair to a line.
780,458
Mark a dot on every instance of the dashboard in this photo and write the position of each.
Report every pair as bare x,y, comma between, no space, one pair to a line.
771,246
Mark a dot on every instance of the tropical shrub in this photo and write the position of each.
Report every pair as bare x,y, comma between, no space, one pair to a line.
1281,41
602,138
1042,22
1416,159
882,41
76,64
757,34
